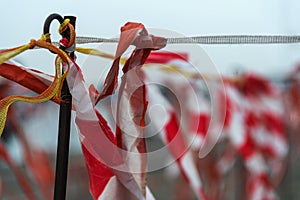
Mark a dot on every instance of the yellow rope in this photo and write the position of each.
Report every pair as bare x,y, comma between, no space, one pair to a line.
162,67
10,54
95,52
46,37
52,91
55,87
63,26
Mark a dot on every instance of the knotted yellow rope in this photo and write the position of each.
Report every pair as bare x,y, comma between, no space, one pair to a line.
52,91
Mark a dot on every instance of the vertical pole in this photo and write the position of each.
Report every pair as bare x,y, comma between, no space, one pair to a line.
61,172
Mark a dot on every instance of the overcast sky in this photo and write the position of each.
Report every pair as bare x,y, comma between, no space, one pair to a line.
23,20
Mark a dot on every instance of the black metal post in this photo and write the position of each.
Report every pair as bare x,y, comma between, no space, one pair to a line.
61,173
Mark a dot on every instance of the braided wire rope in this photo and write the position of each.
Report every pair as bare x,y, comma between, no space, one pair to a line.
218,39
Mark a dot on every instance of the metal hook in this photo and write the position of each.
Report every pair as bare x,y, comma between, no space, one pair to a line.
48,22
65,34
49,19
